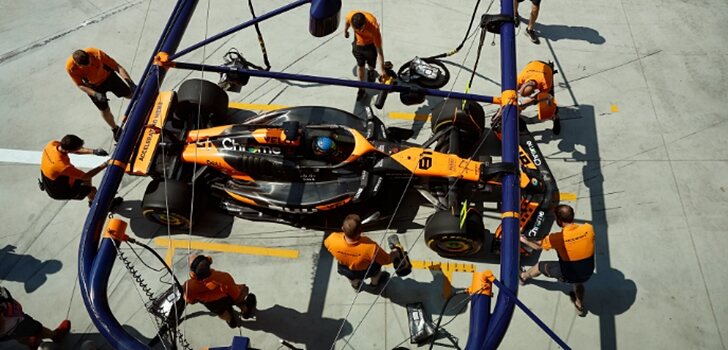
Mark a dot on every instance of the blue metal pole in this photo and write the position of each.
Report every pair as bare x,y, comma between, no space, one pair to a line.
503,310
332,81
324,17
241,26
533,316
479,319
143,77
89,268
99,282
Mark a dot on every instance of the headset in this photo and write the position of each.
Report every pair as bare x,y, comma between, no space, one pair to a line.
195,263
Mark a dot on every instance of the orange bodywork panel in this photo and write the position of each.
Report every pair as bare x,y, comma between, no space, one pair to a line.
361,146
273,137
424,162
324,207
146,149
527,210
205,153
204,134
241,198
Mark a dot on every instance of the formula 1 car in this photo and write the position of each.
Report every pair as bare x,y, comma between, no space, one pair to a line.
311,166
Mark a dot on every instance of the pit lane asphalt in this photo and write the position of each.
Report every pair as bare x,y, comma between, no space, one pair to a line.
642,147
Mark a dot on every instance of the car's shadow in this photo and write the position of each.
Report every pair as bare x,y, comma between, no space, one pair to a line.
208,222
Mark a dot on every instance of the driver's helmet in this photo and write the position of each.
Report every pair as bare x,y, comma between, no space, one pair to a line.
324,146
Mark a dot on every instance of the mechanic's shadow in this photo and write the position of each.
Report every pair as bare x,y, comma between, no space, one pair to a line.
297,327
25,268
607,293
208,222
556,32
406,290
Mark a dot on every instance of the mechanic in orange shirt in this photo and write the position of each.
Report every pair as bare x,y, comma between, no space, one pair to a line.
366,47
218,292
574,245
536,87
358,256
95,73
60,179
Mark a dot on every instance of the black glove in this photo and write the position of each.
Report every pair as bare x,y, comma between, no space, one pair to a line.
100,98
131,84
100,152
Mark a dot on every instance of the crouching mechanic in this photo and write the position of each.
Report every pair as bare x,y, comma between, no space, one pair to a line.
96,73
218,292
60,179
574,245
536,87
18,326
358,256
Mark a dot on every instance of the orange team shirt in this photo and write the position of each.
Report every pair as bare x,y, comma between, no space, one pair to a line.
573,243
55,163
370,34
539,72
217,286
356,256
98,69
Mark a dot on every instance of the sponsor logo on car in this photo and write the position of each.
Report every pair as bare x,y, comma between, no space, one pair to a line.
230,144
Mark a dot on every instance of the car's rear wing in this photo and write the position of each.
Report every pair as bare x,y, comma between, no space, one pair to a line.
145,151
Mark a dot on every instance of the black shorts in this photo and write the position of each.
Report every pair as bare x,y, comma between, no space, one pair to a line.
80,189
359,275
569,271
59,188
219,306
28,327
114,84
365,54
535,2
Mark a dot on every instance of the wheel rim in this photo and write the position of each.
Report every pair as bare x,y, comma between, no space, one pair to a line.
454,246
173,219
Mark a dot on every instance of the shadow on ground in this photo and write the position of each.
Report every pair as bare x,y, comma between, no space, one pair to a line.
24,268
209,222
556,32
608,292
299,327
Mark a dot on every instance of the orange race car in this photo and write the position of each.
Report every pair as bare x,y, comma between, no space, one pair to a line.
311,166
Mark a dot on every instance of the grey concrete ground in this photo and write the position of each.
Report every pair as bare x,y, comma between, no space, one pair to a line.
642,148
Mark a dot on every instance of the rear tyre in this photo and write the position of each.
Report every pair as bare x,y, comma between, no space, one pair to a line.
444,235
470,119
175,194
201,97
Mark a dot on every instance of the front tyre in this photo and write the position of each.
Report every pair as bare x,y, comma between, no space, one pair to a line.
168,204
444,234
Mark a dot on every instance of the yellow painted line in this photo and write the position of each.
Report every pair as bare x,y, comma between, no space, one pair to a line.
255,106
566,196
409,116
447,269
614,108
173,244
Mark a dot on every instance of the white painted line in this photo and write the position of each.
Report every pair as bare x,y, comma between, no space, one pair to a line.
17,156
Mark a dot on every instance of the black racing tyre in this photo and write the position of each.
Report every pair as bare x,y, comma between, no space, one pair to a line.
442,78
203,97
470,119
444,235
158,196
